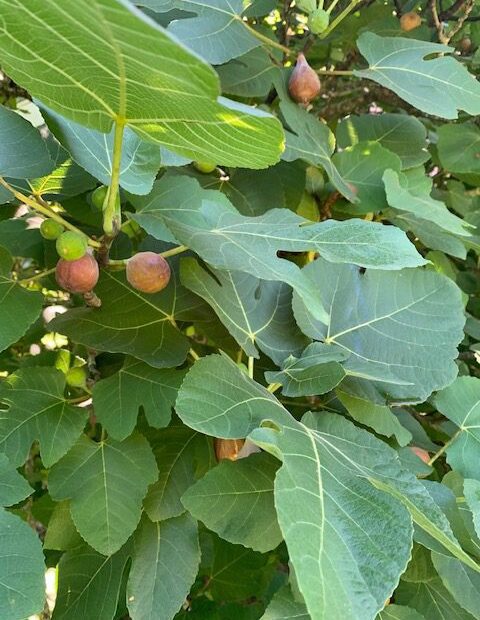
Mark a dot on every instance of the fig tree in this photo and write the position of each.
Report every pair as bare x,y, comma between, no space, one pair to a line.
71,245
304,83
77,276
410,21
148,272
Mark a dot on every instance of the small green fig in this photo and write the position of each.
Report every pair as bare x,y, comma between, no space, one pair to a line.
71,245
51,229
206,167
318,21
77,276
76,377
98,197
148,272
304,83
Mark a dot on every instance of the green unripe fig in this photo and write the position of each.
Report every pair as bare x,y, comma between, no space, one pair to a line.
71,245
99,196
77,276
314,180
76,377
50,229
206,167
318,21
148,272
306,5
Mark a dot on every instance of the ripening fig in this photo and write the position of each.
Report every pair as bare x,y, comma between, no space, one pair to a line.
71,245
318,21
148,272
304,83
421,453
50,229
410,21
76,377
206,167
227,448
465,44
77,276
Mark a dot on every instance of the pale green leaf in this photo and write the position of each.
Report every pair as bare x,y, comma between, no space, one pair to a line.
178,452
422,205
460,403
459,148
284,607
38,410
21,569
375,315
164,566
471,490
250,75
19,308
117,399
134,323
235,500
23,151
89,584
440,86
217,32
399,612
104,60
208,224
256,313
422,589
354,396
106,483
461,581
316,371
363,165
13,486
401,134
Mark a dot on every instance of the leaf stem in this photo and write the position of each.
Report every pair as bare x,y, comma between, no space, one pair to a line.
333,72
340,17
194,354
444,447
251,365
265,39
111,217
178,250
37,276
273,387
47,211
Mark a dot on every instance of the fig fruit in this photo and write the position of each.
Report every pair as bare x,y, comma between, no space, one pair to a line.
227,448
148,272
77,276
50,229
206,167
98,197
410,21
314,180
71,245
318,21
304,83
76,377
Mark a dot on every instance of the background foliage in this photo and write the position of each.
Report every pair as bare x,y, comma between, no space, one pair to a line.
323,306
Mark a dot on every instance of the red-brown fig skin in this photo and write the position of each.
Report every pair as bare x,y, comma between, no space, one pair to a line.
148,272
77,276
304,84
410,21
227,448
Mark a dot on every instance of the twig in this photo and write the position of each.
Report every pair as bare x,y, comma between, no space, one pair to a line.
469,4
437,23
